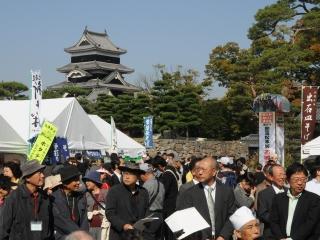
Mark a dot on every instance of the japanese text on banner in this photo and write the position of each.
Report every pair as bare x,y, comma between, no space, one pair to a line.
35,100
308,112
148,131
44,140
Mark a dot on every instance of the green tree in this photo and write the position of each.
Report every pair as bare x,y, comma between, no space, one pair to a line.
141,107
215,120
106,106
13,90
176,102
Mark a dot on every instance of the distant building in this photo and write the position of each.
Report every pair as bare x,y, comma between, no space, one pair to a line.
95,65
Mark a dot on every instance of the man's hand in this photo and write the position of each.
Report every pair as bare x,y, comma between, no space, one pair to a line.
127,227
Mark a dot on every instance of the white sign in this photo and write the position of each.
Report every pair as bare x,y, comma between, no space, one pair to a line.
35,104
188,221
266,136
114,141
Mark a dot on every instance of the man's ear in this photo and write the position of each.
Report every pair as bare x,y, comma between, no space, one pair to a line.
237,233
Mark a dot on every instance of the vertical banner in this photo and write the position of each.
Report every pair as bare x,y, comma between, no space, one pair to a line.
43,143
280,137
148,131
35,101
59,152
308,112
266,136
114,141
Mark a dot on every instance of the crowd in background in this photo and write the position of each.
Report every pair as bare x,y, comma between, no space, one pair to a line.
93,199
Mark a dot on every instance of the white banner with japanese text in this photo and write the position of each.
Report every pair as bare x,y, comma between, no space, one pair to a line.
266,136
35,104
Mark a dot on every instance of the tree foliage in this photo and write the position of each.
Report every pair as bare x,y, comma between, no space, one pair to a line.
13,90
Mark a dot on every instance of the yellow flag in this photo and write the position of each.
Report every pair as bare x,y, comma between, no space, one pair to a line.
44,140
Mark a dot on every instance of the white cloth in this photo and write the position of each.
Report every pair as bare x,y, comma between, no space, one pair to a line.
313,186
293,200
277,190
241,217
195,181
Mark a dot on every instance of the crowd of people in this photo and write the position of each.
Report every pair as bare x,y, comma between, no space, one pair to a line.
120,200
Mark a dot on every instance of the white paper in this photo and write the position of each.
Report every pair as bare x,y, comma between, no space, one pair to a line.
189,220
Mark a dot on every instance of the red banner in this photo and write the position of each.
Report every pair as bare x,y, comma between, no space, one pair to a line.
308,112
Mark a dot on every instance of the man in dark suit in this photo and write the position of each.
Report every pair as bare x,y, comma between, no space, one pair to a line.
126,203
295,214
194,181
213,200
115,164
277,177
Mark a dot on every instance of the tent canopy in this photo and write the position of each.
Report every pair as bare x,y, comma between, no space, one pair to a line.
125,144
66,113
311,148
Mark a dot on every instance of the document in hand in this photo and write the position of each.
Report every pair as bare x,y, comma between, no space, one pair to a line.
188,220
140,225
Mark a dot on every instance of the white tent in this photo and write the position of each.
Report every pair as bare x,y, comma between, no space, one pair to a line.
125,144
66,113
311,148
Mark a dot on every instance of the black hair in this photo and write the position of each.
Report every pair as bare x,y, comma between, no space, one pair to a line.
108,167
5,183
78,156
313,171
296,168
193,162
247,177
15,169
158,161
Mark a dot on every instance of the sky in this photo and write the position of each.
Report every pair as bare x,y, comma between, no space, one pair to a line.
34,33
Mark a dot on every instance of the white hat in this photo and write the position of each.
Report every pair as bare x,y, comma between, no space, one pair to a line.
225,160
52,181
241,217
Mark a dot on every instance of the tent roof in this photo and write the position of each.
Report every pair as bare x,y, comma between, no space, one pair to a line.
66,113
125,143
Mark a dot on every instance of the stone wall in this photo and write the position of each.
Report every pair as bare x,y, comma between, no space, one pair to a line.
191,147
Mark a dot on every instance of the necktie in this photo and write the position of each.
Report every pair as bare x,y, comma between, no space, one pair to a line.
210,203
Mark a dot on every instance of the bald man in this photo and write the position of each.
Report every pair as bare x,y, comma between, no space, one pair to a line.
213,200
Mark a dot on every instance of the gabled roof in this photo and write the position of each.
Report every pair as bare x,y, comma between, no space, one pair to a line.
115,75
95,65
95,41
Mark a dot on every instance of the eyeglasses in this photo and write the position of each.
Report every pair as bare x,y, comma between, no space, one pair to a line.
296,180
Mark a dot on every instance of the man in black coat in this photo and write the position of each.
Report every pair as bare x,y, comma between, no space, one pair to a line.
295,214
223,202
126,203
265,198
69,205
169,179
27,212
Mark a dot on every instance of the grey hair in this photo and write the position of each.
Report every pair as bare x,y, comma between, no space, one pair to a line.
79,235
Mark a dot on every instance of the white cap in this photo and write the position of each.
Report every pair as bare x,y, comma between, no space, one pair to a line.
241,217
225,160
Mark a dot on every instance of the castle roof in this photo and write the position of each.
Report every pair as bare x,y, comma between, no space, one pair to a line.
95,65
95,41
97,83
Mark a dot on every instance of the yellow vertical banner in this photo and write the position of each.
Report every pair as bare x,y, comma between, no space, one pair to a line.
44,140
